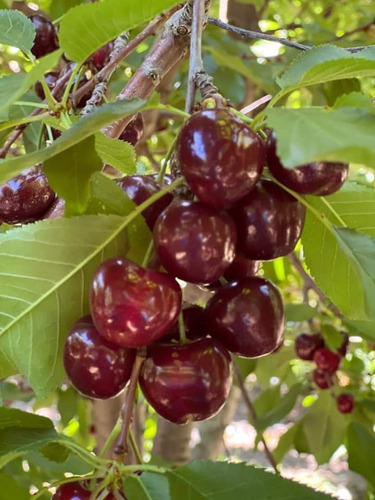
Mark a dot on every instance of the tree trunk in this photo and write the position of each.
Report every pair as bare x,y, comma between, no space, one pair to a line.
172,442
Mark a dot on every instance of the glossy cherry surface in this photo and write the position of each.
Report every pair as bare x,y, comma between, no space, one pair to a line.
26,197
269,222
187,382
51,79
96,367
319,178
139,188
133,132
322,379
219,156
240,268
100,58
195,242
45,38
194,321
132,306
305,345
327,360
76,491
345,403
247,316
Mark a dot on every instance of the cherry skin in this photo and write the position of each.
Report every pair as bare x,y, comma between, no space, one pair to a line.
195,242
269,222
45,39
100,58
133,132
323,379
194,321
327,360
343,349
132,306
26,197
139,188
320,178
247,316
240,268
96,367
220,157
187,382
305,345
76,491
345,403
51,79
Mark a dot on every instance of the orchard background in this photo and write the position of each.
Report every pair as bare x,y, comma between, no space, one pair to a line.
315,88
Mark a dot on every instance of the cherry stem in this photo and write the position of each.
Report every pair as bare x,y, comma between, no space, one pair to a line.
148,254
110,439
134,445
166,160
252,414
181,328
121,448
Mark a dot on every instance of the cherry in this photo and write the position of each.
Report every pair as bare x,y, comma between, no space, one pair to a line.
139,188
26,197
345,403
343,349
46,38
100,58
194,321
220,157
76,491
132,306
97,368
195,242
56,210
51,79
133,132
247,316
323,379
320,178
326,360
269,222
305,345
187,382
240,268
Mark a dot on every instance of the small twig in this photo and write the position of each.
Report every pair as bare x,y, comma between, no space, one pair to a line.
364,27
134,445
252,414
256,104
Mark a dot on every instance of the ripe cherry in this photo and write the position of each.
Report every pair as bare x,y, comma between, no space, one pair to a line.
139,188
220,157
240,268
51,79
327,360
133,132
187,382
96,367
132,306
100,58
269,222
345,403
305,345
45,39
194,321
320,178
76,491
195,242
343,349
26,197
247,316
323,380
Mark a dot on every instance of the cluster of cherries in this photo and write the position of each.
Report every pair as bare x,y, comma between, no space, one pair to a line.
312,348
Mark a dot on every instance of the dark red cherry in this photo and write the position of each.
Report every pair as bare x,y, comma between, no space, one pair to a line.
51,79
56,210
195,242
187,382
100,58
26,197
323,379
247,316
345,403
240,268
220,157
319,178
133,132
139,188
96,367
327,360
45,39
194,321
305,345
72,491
269,222
343,349
132,306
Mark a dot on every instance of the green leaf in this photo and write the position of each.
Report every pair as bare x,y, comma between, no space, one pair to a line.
11,489
12,87
16,30
11,392
11,417
220,481
87,27
327,63
299,312
85,127
118,154
244,365
59,7
361,451
67,404
45,271
69,174
365,328
315,134
31,134
286,442
149,486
